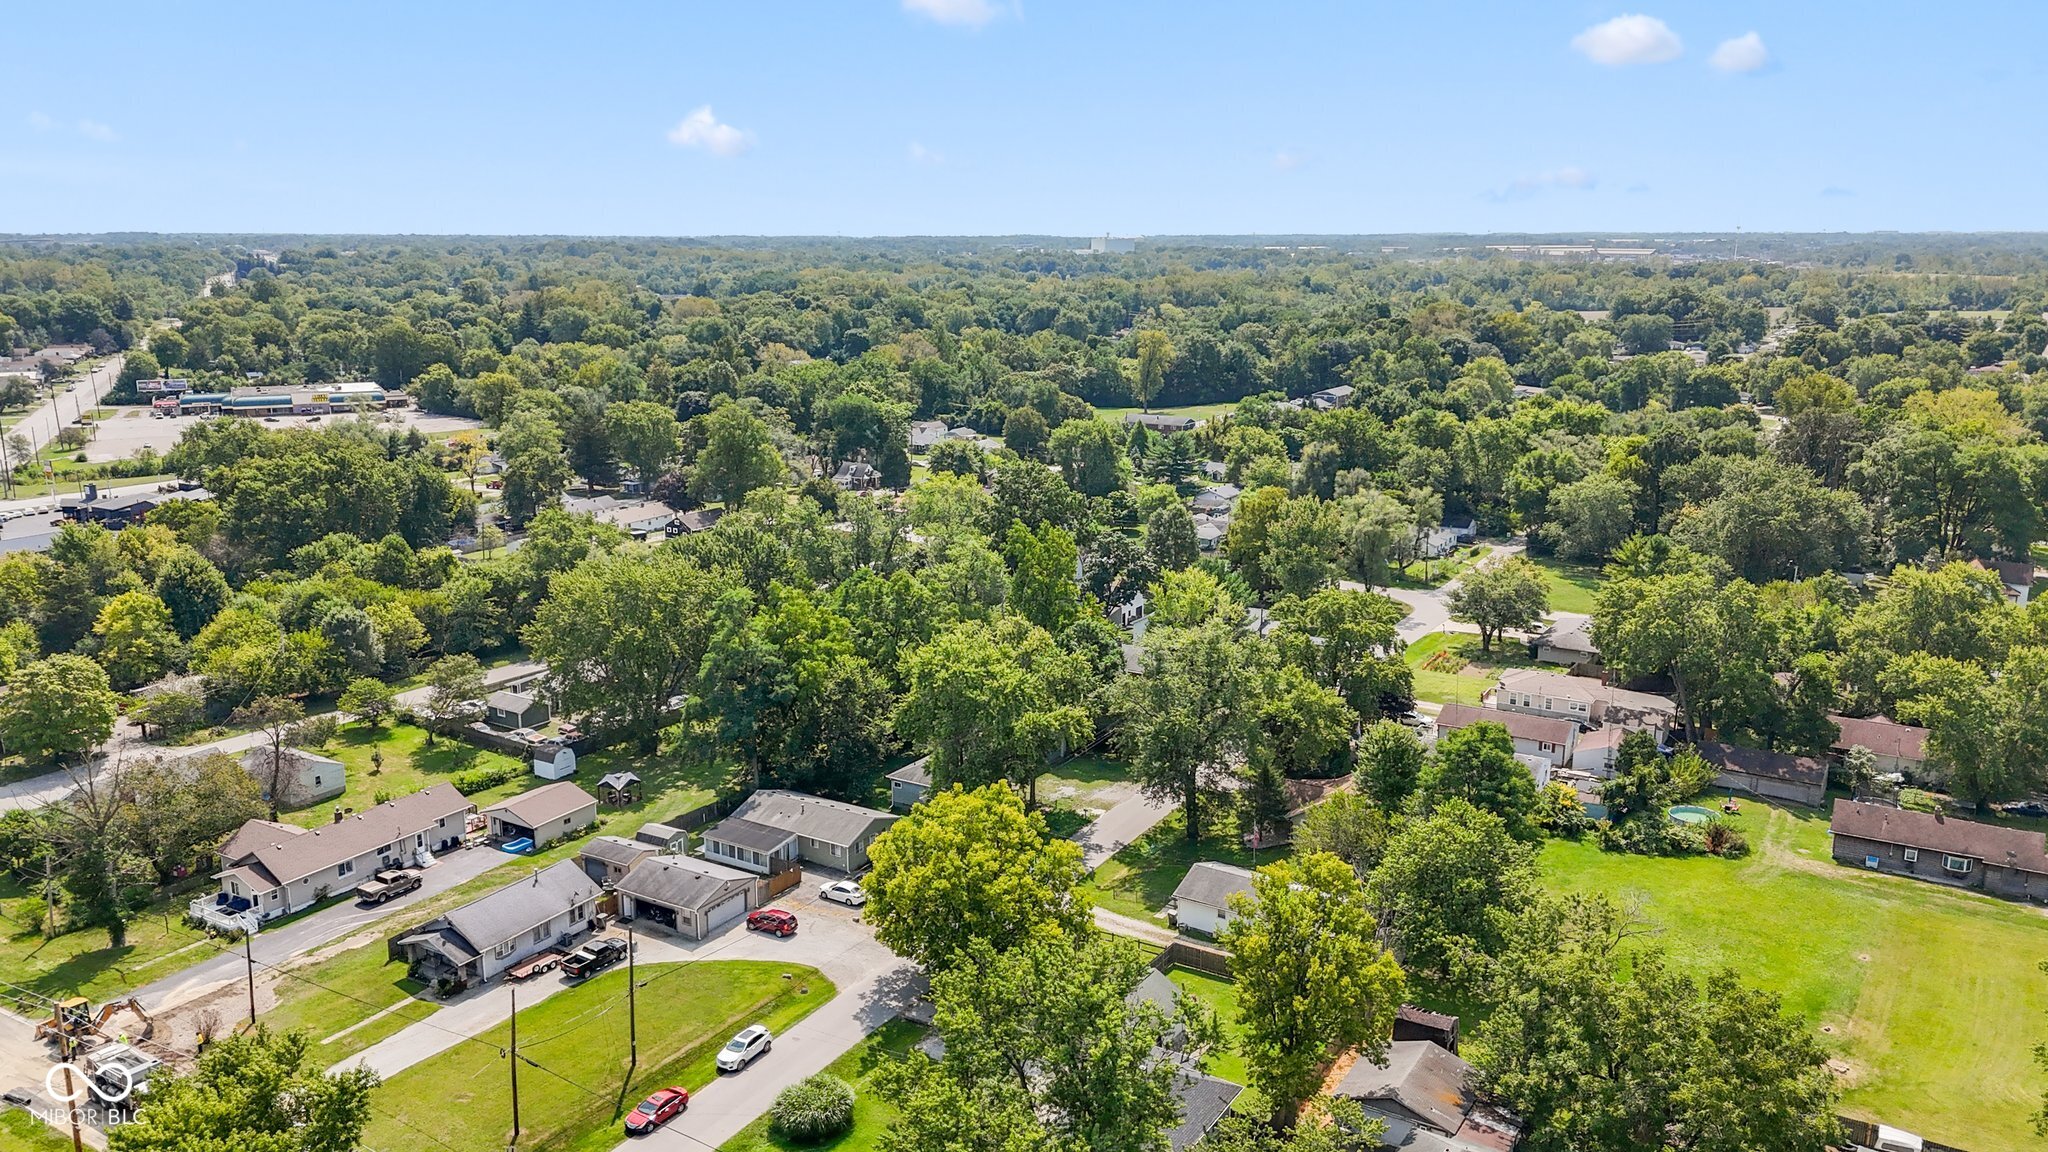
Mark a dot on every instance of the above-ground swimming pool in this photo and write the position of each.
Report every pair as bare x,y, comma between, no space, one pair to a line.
1690,814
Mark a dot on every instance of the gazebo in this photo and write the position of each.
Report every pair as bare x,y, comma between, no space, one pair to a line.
619,789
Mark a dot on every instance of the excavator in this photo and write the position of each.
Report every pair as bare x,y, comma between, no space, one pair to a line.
75,1019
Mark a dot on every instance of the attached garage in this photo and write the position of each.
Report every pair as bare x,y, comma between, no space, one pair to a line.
693,898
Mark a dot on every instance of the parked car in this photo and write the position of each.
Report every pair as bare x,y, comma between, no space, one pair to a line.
2026,808
595,956
389,884
657,1110
844,892
772,920
752,1043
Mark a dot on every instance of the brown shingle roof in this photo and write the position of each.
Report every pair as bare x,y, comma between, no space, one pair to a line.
285,858
1757,762
1882,735
2011,847
1520,725
545,804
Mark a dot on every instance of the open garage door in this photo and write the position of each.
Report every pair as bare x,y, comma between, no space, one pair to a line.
725,912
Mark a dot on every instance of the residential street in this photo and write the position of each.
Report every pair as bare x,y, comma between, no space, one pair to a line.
1428,609
276,945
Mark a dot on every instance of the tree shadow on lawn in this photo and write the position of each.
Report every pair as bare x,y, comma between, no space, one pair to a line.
1149,868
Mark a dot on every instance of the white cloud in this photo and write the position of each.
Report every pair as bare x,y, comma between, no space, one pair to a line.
700,129
94,130
962,13
1744,53
1287,160
1631,39
40,121
1568,178
931,157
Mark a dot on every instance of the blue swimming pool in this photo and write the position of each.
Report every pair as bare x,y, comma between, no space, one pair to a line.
1690,814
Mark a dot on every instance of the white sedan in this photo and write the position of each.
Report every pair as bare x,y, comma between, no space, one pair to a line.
844,892
740,1051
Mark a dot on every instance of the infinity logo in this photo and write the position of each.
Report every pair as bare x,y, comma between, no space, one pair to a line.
51,1081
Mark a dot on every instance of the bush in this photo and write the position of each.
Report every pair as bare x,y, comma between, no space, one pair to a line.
1723,839
315,731
477,779
813,1110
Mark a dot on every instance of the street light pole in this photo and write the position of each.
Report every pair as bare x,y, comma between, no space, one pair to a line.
515,1067
632,1012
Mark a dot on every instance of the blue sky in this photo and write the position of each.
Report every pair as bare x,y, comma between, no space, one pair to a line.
860,117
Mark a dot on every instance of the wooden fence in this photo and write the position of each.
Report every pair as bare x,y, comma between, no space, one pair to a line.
1864,1132
1203,958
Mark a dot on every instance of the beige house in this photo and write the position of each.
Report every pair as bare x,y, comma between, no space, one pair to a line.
543,815
1894,746
1545,738
273,869
1582,700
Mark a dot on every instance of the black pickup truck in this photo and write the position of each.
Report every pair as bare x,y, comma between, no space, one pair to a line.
595,956
389,884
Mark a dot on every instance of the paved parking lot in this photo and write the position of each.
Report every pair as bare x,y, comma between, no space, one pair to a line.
131,429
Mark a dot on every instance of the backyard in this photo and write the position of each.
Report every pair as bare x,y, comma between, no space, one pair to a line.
22,1132
1572,586
1450,669
577,1088
1070,795
1139,880
1931,998
1220,997
872,1115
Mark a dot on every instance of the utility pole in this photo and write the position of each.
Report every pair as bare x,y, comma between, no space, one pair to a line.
515,1067
249,955
70,1091
632,1013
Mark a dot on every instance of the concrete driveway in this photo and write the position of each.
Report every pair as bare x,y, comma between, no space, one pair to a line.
1118,827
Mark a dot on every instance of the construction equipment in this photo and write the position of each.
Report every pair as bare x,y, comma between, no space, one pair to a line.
74,1018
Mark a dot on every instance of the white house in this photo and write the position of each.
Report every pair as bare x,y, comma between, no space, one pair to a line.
274,869
1543,737
543,815
300,777
1201,903
484,937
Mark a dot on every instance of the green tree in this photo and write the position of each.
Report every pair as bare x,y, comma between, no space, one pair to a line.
1155,356
1603,1045
259,1093
536,464
624,637
1090,454
57,708
368,699
1348,826
972,866
993,702
738,456
1025,433
1042,588
1191,717
1714,642
1589,518
1170,538
179,811
1348,641
1390,763
1312,980
645,435
454,686
1045,1039
1512,594
1443,885
1477,764
135,640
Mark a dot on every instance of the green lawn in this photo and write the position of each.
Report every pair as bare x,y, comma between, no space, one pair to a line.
21,1132
1572,586
1931,995
1139,880
1446,650
686,1012
872,1115
83,963
335,996
1220,997
1436,573
1198,411
1070,794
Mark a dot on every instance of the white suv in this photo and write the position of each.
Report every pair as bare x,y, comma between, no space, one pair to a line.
740,1051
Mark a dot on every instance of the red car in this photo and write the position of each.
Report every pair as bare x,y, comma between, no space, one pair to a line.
657,1110
772,920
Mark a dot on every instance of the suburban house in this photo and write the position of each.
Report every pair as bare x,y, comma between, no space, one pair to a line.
910,784
637,518
1201,903
1597,750
1424,1095
300,777
607,859
1776,775
1894,746
773,826
1209,532
1329,398
694,521
274,869
1543,737
692,897
507,710
1130,615
1930,846
1160,422
926,433
544,815
483,938
857,476
1203,1100
2015,578
1568,641
1215,470
1216,498
1582,700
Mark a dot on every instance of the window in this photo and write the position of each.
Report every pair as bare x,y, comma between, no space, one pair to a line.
504,949
540,934
344,868
1912,854
316,781
1960,865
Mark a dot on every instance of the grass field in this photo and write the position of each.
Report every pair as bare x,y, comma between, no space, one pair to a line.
686,1011
1139,880
872,1115
1572,586
83,963
1220,997
21,1132
1431,655
409,764
1931,995
1198,411
1083,783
